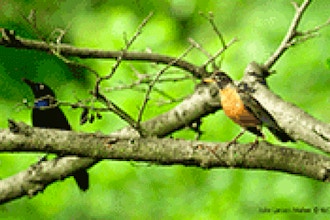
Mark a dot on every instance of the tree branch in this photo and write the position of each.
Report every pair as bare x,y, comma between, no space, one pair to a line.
295,122
162,125
9,39
161,151
126,145
290,35
152,84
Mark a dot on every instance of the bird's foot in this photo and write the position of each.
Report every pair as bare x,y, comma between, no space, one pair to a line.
234,141
254,145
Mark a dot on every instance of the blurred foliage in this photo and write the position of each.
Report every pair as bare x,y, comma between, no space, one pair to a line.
128,190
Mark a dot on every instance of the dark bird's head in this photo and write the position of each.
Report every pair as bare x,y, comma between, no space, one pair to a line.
43,94
220,78
39,90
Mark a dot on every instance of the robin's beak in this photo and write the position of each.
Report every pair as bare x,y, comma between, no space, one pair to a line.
208,80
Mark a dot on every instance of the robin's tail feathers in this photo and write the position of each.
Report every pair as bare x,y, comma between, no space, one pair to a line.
281,135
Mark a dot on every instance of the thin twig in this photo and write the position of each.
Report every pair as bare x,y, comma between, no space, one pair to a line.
315,29
118,111
162,93
143,81
199,47
217,54
24,104
128,45
303,38
210,18
114,108
32,21
170,101
152,84
290,35
54,48
84,106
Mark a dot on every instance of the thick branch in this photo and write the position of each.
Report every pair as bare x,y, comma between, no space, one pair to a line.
179,117
36,178
201,103
161,151
296,122
204,101
123,145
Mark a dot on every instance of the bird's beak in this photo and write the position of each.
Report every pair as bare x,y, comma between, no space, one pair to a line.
27,81
208,80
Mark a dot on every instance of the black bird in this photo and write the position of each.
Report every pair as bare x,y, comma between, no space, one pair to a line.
46,114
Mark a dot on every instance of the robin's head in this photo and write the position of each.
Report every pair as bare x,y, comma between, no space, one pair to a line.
220,78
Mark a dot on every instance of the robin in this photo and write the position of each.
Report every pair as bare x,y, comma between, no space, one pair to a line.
244,110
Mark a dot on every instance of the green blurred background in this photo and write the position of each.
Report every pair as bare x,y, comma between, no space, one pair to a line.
129,190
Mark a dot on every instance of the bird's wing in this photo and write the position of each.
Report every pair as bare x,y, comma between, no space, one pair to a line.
254,106
50,118
264,116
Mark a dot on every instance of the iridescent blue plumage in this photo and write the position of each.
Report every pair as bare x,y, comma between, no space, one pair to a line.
41,103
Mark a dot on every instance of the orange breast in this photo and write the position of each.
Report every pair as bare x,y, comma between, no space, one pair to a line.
234,108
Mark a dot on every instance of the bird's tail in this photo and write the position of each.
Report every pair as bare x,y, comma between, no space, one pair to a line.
281,135
82,179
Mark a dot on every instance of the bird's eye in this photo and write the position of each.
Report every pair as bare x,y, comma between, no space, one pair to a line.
41,86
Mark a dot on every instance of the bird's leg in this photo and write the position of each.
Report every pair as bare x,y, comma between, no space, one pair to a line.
236,138
228,145
213,151
256,142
